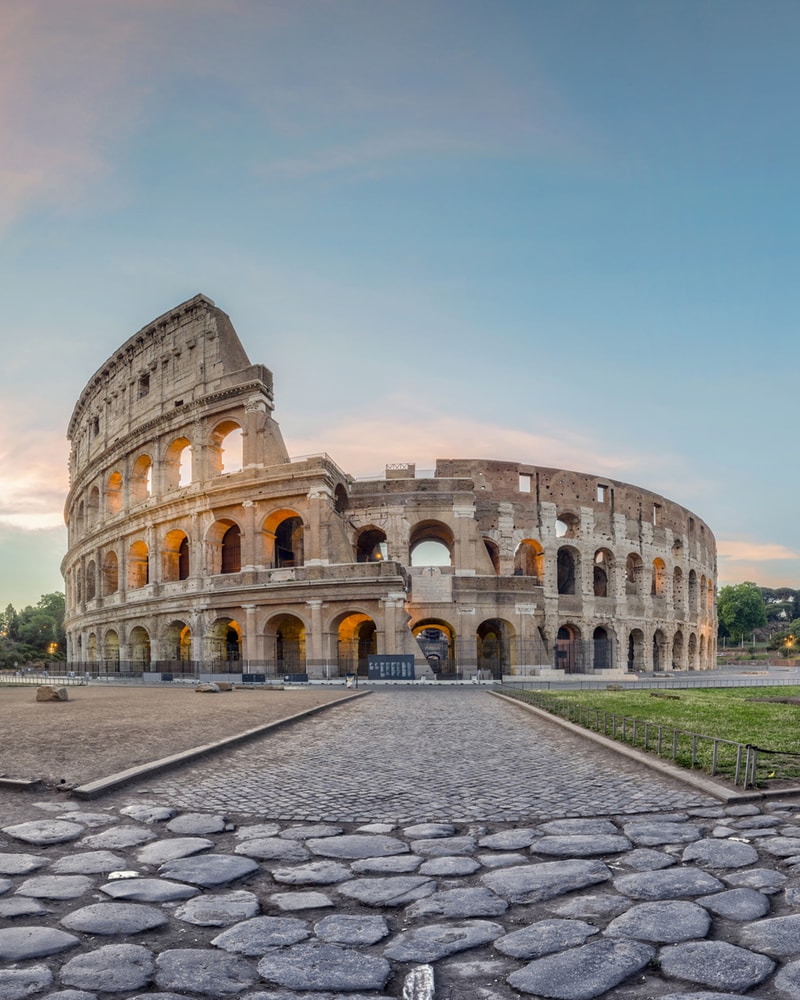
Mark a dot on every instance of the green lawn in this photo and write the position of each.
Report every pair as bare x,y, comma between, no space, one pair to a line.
664,721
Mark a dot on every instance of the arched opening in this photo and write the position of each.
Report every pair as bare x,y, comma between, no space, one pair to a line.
340,499
286,635
178,464
602,658
493,640
493,553
289,538
138,565
111,649
601,573
567,565
431,544
226,645
659,579
141,479
633,574
660,651
371,546
114,493
225,451
567,526
231,556
110,583
636,650
91,580
178,643
140,648
175,556
677,651
529,560
436,640
357,639
567,652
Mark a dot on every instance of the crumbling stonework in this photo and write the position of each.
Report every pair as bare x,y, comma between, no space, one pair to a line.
195,540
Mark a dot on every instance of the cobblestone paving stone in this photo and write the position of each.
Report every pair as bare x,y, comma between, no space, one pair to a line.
422,829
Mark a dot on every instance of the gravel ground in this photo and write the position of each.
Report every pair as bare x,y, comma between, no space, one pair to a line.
102,730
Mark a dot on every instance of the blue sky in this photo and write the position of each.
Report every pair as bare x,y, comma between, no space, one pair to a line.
563,233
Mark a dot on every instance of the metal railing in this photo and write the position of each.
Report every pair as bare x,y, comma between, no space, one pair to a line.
741,763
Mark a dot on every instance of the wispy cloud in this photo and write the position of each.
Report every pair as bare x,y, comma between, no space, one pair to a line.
34,479
755,552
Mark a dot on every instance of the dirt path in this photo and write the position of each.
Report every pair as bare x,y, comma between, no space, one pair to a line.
102,730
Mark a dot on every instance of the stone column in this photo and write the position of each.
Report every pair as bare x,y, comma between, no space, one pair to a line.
464,555
315,657
249,638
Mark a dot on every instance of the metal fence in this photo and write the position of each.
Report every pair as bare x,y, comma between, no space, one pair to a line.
742,763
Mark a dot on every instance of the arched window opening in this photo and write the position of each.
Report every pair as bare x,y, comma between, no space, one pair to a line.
567,651
110,574
493,640
111,649
659,580
286,644
436,640
138,565
567,571
603,658
340,499
140,648
636,650
289,542
567,526
177,643
494,554
91,580
634,569
601,573
80,524
175,556
431,544
141,479
177,470
226,449
114,493
232,550
371,546
529,560
357,640
226,643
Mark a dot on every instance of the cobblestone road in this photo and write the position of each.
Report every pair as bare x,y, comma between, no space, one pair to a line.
422,754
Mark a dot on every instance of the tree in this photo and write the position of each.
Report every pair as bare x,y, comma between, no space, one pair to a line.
740,609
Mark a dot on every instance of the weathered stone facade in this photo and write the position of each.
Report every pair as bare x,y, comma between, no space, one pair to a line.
194,540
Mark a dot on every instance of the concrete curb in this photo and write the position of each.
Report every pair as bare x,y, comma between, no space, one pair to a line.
703,784
111,782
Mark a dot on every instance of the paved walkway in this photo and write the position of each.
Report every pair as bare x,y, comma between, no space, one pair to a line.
416,832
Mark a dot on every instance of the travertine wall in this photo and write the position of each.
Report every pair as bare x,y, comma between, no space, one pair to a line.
195,540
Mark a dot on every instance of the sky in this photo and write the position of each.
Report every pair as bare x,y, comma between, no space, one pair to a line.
559,232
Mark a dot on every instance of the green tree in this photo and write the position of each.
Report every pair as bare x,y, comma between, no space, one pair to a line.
740,609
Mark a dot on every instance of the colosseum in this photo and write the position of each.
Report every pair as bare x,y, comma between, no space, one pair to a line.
198,546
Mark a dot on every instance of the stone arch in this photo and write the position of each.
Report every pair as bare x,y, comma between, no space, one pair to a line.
225,450
602,649
111,647
636,650
286,640
661,660
431,543
175,556
225,643
371,545
110,574
356,639
634,573
91,580
658,581
114,493
602,580
222,547
567,525
493,552
91,647
177,641
340,498
139,646
284,534
138,565
494,648
567,649
177,469
141,479
436,639
529,560
568,568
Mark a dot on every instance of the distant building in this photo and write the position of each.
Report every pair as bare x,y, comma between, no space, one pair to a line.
195,542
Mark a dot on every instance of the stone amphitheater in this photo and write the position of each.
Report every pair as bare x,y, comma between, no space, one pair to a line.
197,544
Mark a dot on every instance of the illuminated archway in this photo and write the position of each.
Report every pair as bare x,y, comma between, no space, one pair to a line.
357,639
436,639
